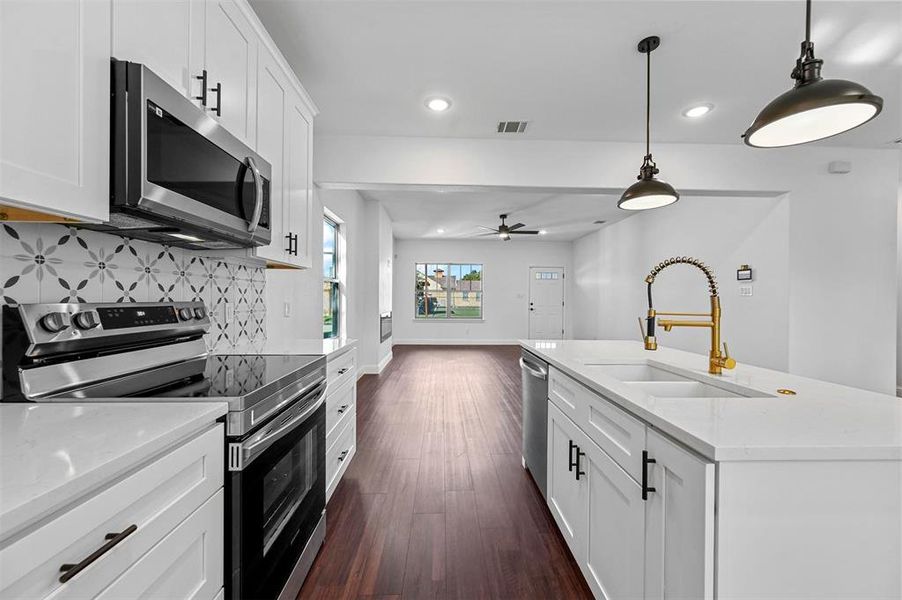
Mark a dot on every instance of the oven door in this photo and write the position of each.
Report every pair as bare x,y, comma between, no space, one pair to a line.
174,164
275,498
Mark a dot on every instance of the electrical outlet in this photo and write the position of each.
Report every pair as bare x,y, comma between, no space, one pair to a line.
745,290
286,309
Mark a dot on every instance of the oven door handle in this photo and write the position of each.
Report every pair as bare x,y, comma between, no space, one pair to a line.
258,186
241,455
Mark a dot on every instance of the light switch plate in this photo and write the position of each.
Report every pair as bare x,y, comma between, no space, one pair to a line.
745,290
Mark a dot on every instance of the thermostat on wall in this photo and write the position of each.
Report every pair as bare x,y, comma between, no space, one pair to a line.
744,273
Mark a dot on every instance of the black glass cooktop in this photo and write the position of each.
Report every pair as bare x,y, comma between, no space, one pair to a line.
232,376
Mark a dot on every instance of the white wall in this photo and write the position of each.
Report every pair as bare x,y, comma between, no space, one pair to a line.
505,283
899,298
609,291
842,240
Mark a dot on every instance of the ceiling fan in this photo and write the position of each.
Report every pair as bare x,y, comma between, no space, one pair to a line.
505,231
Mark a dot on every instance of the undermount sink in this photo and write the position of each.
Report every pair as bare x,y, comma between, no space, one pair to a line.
640,373
683,389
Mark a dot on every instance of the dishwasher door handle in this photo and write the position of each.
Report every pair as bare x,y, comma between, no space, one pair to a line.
533,370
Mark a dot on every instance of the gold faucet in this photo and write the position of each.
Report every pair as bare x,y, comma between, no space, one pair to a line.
717,360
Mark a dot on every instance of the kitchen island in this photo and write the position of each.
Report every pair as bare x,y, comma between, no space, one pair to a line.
665,480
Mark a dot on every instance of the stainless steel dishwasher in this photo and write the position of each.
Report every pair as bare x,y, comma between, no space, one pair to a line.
534,372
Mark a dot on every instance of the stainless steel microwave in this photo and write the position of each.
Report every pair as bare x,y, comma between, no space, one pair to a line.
177,175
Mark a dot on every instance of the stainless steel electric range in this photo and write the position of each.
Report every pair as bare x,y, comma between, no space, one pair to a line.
275,427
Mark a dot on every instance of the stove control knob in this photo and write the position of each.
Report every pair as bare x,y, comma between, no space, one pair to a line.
54,322
86,320
185,314
199,313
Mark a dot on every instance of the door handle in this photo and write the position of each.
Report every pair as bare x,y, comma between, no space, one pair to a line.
579,471
646,489
572,464
218,90
203,88
71,570
258,188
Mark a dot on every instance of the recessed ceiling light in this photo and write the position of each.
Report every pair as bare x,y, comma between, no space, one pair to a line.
699,110
542,232
440,230
438,104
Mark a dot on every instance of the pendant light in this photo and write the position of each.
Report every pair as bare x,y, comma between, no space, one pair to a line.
815,108
648,192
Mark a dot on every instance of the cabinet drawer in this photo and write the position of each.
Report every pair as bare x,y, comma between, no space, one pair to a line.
619,434
341,369
568,395
340,454
187,563
339,404
155,499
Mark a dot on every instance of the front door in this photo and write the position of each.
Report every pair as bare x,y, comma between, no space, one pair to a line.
546,303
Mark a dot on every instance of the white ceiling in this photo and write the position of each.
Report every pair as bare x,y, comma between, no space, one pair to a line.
419,214
571,68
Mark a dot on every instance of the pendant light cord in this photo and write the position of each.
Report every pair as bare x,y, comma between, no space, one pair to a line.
648,103
808,22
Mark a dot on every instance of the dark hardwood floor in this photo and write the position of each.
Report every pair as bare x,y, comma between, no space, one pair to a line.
436,503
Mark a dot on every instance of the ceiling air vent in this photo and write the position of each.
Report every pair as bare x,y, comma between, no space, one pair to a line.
512,126
599,222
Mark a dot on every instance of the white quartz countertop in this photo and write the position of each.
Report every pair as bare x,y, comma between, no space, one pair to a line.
823,421
52,454
330,348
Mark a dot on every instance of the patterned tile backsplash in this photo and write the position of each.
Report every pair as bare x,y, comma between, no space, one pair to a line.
57,263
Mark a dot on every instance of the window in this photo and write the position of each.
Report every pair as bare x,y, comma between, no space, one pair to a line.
331,287
448,291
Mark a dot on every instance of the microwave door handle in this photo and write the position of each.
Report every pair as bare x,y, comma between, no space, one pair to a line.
258,186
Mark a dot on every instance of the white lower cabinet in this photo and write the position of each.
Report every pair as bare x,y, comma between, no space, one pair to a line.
566,495
157,532
679,525
615,549
628,547
341,416
187,563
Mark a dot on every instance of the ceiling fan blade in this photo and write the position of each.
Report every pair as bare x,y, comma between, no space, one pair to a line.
524,233
517,226
487,228
486,234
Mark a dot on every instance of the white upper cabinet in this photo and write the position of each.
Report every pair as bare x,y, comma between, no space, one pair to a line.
165,35
230,46
679,530
55,108
272,107
298,182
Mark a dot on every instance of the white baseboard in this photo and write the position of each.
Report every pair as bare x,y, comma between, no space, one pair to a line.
375,369
463,342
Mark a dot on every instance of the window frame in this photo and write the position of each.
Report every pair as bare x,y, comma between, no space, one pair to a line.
448,318
335,280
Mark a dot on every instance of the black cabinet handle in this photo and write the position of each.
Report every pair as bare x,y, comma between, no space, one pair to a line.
342,408
579,470
572,464
343,455
203,88
218,90
295,242
69,570
646,489
343,371
288,249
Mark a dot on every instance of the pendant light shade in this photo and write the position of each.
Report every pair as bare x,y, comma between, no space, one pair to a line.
649,192
815,108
